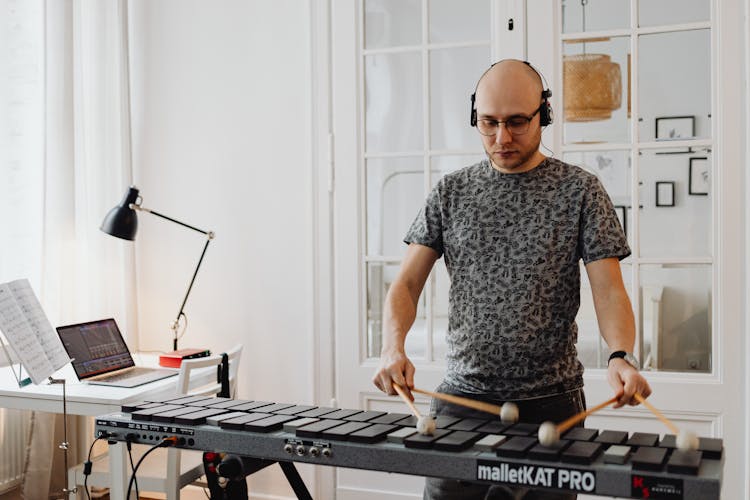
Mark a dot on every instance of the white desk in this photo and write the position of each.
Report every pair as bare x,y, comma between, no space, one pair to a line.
89,400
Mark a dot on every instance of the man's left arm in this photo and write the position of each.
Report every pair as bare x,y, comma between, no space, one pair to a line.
617,326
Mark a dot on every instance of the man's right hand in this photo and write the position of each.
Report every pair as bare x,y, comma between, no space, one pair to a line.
396,367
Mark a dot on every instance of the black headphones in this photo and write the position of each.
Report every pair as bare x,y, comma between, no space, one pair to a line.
545,109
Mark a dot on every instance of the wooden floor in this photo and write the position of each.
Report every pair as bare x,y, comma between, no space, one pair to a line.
11,495
188,493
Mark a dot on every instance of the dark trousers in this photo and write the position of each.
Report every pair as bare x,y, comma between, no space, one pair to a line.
553,408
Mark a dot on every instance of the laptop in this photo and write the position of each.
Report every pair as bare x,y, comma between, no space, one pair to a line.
100,355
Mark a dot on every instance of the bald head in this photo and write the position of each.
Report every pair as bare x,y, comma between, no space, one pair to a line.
510,80
511,91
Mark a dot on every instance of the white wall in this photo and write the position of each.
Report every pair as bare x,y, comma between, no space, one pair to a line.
221,138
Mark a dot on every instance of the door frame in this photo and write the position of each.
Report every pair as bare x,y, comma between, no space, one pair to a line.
335,259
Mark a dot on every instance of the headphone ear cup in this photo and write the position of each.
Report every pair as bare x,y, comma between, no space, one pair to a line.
473,115
546,114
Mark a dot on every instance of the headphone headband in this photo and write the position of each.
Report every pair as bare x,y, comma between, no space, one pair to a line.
545,111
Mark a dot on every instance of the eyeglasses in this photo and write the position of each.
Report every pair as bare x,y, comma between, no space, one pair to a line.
516,124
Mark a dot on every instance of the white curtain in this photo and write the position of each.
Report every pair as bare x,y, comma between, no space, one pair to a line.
80,273
21,181
87,274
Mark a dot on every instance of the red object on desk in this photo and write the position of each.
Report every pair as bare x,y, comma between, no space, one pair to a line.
174,359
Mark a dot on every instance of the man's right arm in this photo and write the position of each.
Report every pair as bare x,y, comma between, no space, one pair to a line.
398,316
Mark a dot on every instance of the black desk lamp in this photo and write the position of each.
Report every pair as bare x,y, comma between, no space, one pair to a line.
122,222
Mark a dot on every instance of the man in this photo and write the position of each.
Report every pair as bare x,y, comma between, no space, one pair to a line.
512,230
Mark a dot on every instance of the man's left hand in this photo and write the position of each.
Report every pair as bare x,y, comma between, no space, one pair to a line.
626,380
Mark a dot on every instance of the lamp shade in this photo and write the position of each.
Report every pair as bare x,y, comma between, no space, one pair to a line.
122,221
592,87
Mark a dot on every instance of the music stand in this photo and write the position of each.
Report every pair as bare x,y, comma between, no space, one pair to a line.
20,379
36,345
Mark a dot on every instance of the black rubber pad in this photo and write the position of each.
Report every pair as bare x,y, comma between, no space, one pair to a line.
648,458
229,404
612,437
550,453
168,416
252,406
217,419
341,414
314,430
581,452
372,434
146,413
522,430
457,441
295,424
239,422
365,416
204,402
269,424
185,400
468,424
294,410
516,447
581,434
199,417
494,427
341,432
712,448
389,418
441,421
423,440
317,412
276,407
643,439
138,405
684,462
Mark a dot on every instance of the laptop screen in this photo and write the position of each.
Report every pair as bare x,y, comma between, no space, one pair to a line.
96,347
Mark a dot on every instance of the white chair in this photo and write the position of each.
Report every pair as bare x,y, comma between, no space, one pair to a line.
168,469
188,385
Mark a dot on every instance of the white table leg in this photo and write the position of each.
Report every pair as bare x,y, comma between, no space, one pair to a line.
118,469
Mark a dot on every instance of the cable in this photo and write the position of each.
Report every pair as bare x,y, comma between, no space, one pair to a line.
168,441
88,464
87,468
552,153
132,468
184,327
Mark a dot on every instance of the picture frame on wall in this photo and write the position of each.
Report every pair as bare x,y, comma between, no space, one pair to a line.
699,176
665,194
622,216
674,128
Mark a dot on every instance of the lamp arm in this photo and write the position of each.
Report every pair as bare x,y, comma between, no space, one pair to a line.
209,237
190,287
154,212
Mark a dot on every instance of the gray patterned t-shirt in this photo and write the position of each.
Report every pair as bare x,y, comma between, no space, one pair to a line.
511,244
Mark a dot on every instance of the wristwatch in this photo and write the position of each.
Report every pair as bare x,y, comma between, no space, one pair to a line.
627,356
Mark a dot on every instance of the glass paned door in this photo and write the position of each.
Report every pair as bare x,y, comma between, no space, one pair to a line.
637,113
421,60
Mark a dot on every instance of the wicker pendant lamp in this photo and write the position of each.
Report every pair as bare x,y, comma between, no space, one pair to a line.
592,83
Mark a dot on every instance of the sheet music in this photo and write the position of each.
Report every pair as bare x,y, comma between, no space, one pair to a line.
29,332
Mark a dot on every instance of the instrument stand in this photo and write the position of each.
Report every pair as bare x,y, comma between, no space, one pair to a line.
64,445
20,379
227,476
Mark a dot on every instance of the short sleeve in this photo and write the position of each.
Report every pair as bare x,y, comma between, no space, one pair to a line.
601,236
427,228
